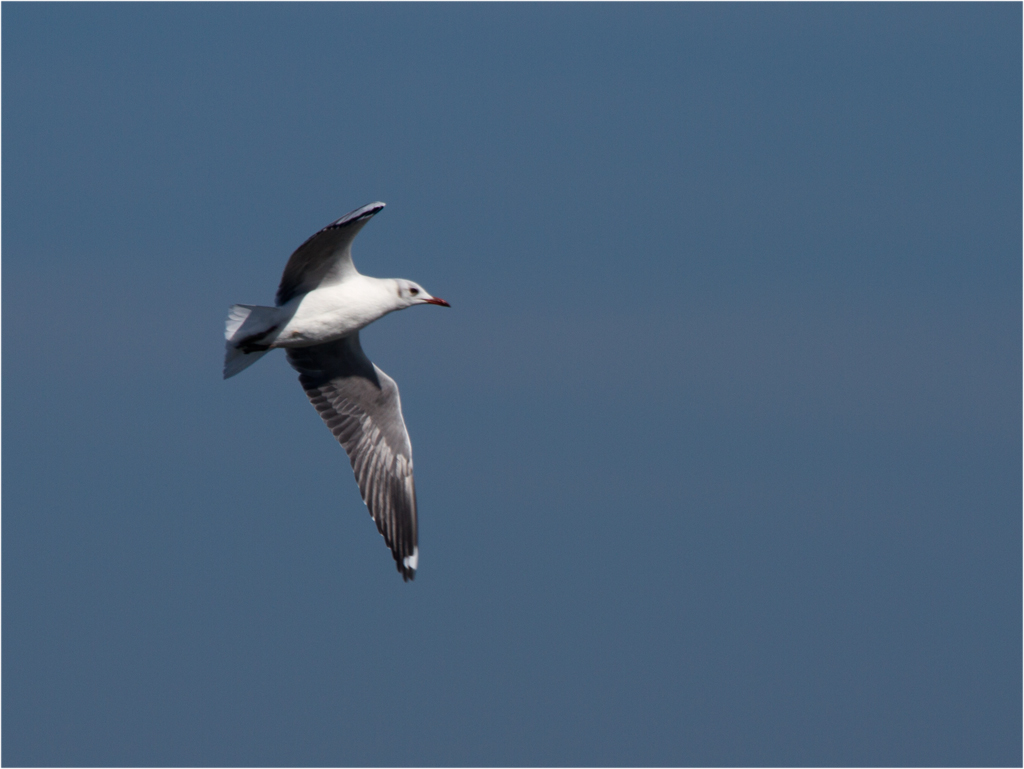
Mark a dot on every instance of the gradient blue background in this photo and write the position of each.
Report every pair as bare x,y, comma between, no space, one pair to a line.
718,451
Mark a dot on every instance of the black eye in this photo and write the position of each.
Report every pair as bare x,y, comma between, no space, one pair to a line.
414,291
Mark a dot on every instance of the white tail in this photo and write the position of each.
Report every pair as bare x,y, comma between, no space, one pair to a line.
243,321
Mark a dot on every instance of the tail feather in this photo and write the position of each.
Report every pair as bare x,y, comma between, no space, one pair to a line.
237,315
243,321
236,361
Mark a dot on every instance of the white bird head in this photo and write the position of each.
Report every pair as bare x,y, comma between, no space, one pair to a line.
413,293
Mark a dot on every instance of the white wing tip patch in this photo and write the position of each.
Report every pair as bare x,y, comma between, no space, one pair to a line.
411,561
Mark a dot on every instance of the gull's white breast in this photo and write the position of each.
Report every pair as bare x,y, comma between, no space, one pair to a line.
331,312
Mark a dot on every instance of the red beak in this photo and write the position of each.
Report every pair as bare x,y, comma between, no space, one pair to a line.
435,300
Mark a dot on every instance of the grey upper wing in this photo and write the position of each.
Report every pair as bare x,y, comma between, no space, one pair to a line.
360,405
326,256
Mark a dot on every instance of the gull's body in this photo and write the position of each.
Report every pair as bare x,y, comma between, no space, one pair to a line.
322,303
330,313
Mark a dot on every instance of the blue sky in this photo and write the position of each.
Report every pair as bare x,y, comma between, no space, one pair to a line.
717,451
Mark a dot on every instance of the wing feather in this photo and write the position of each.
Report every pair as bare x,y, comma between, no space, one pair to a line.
360,405
325,257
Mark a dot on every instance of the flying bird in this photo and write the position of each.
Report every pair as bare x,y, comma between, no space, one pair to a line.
322,303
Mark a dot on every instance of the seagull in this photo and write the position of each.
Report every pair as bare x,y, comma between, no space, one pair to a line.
322,303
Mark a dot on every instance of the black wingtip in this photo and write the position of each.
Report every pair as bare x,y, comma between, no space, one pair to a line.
364,212
408,571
